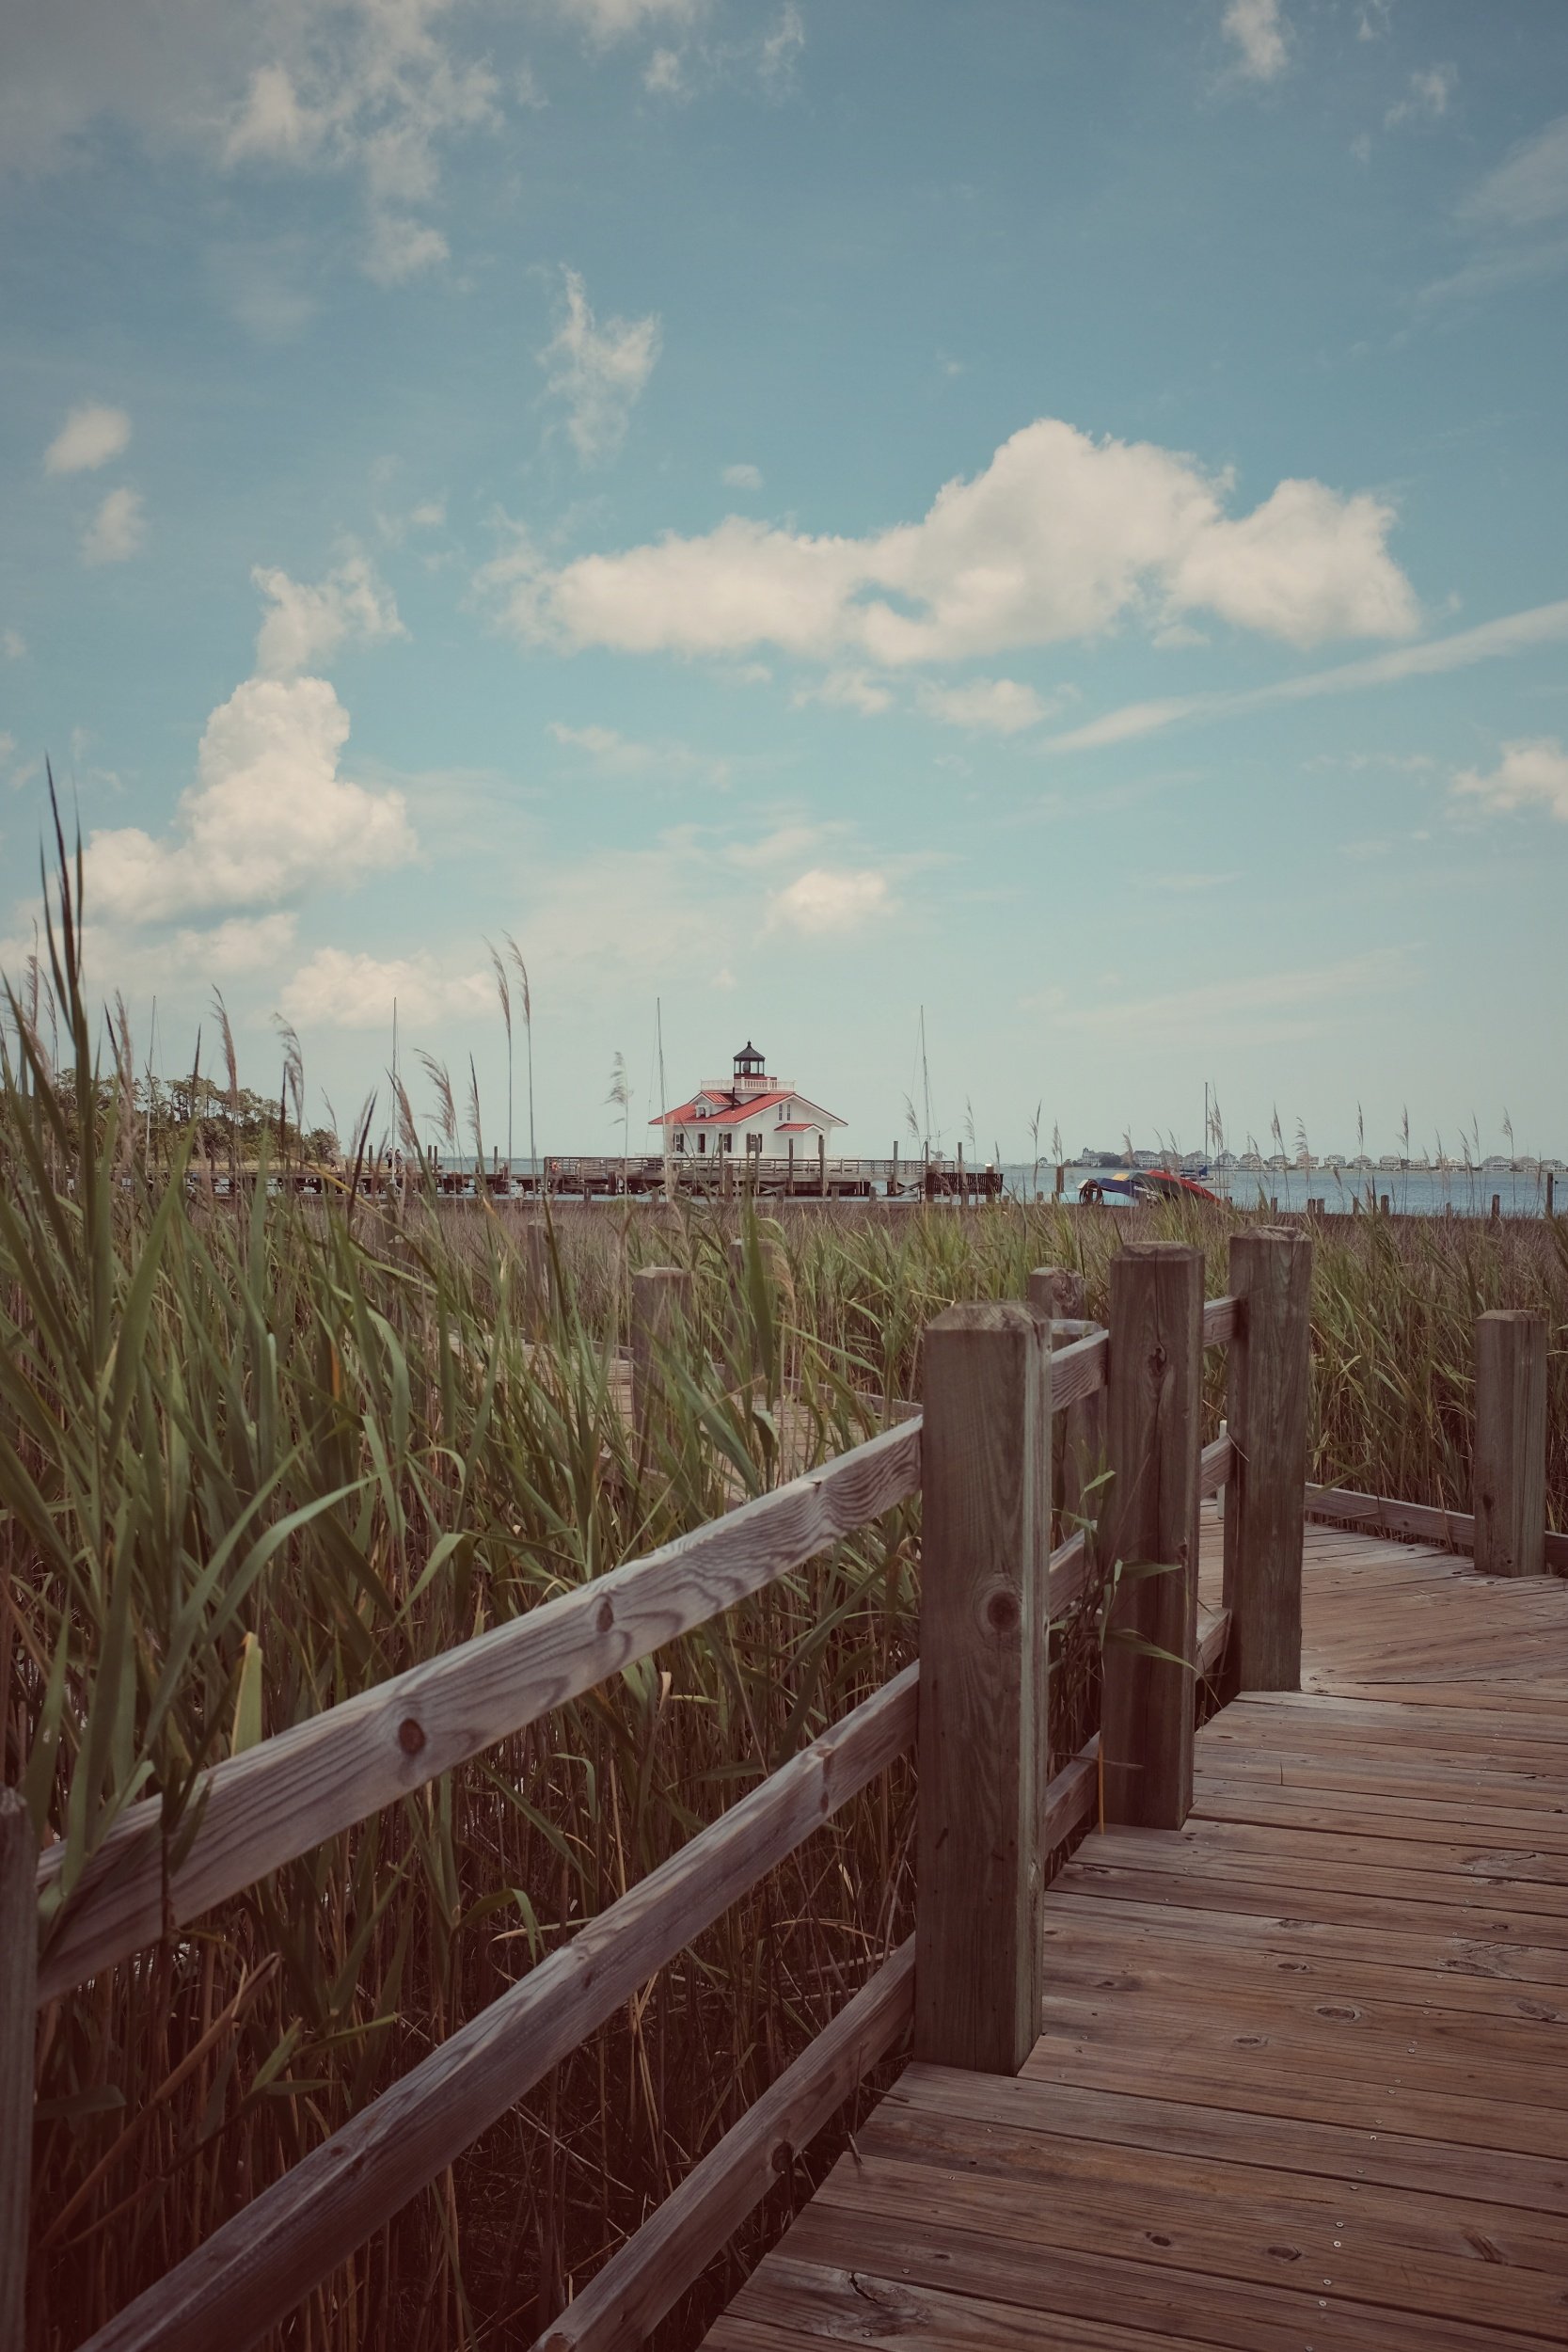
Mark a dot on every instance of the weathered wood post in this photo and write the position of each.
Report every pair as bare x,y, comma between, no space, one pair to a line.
1510,1493
1079,1445
1266,1399
1149,1525
19,1941
892,1179
822,1165
660,1309
983,1727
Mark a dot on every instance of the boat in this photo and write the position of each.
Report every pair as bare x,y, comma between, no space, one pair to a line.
1136,1187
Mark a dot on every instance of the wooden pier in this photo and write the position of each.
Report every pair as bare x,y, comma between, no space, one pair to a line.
1244,2027
1301,2071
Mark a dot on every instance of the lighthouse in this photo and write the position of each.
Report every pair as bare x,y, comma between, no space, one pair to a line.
768,1115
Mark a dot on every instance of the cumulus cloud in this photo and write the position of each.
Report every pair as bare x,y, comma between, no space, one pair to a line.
268,815
1530,774
599,371
1059,538
338,988
1427,97
994,705
90,435
780,49
742,478
116,531
1261,35
306,624
832,899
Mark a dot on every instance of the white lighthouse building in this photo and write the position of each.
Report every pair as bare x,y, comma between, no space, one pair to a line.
749,1113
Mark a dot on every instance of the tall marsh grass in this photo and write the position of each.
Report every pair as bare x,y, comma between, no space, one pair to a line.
255,1456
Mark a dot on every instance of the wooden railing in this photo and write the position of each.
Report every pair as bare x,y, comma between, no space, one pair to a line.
1121,1491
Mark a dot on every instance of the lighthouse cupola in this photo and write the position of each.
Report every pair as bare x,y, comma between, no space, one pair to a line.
749,1070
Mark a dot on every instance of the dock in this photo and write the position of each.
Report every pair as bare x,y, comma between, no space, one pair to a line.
1301,2071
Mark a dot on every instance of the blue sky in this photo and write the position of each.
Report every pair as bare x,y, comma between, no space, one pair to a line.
1051,513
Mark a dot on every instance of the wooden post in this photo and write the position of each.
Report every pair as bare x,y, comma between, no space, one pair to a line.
1061,1179
1266,1421
660,1307
1510,1444
984,1728
790,1186
1080,1447
822,1163
1149,1525
893,1180
19,1944
1496,1217
1550,1211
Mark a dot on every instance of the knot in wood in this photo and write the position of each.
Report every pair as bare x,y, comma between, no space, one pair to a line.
410,1735
783,2156
1002,1613
605,1617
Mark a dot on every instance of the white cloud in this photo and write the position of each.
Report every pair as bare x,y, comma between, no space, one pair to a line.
832,899
599,371
398,248
429,515
1427,97
306,624
605,21
742,478
1059,538
1261,34
662,75
616,755
995,706
244,943
1529,188
268,815
117,531
13,644
372,90
336,989
1531,774
1516,632
849,690
780,49
90,435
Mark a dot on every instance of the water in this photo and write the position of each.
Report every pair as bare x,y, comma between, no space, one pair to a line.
1411,1192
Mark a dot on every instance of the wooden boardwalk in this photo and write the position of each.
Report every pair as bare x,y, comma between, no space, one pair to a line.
1302,2079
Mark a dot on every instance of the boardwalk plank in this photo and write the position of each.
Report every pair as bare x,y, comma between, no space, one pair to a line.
1302,2078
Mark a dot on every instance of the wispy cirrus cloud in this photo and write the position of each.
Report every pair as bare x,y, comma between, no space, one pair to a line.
599,373
1515,633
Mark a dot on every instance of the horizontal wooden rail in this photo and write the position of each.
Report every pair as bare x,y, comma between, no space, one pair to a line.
1222,1319
628,2298
250,2274
1071,1796
1078,1371
1210,1648
1069,1575
1213,1468
1342,1507
277,1801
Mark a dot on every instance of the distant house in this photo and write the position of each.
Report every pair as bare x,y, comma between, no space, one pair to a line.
768,1114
